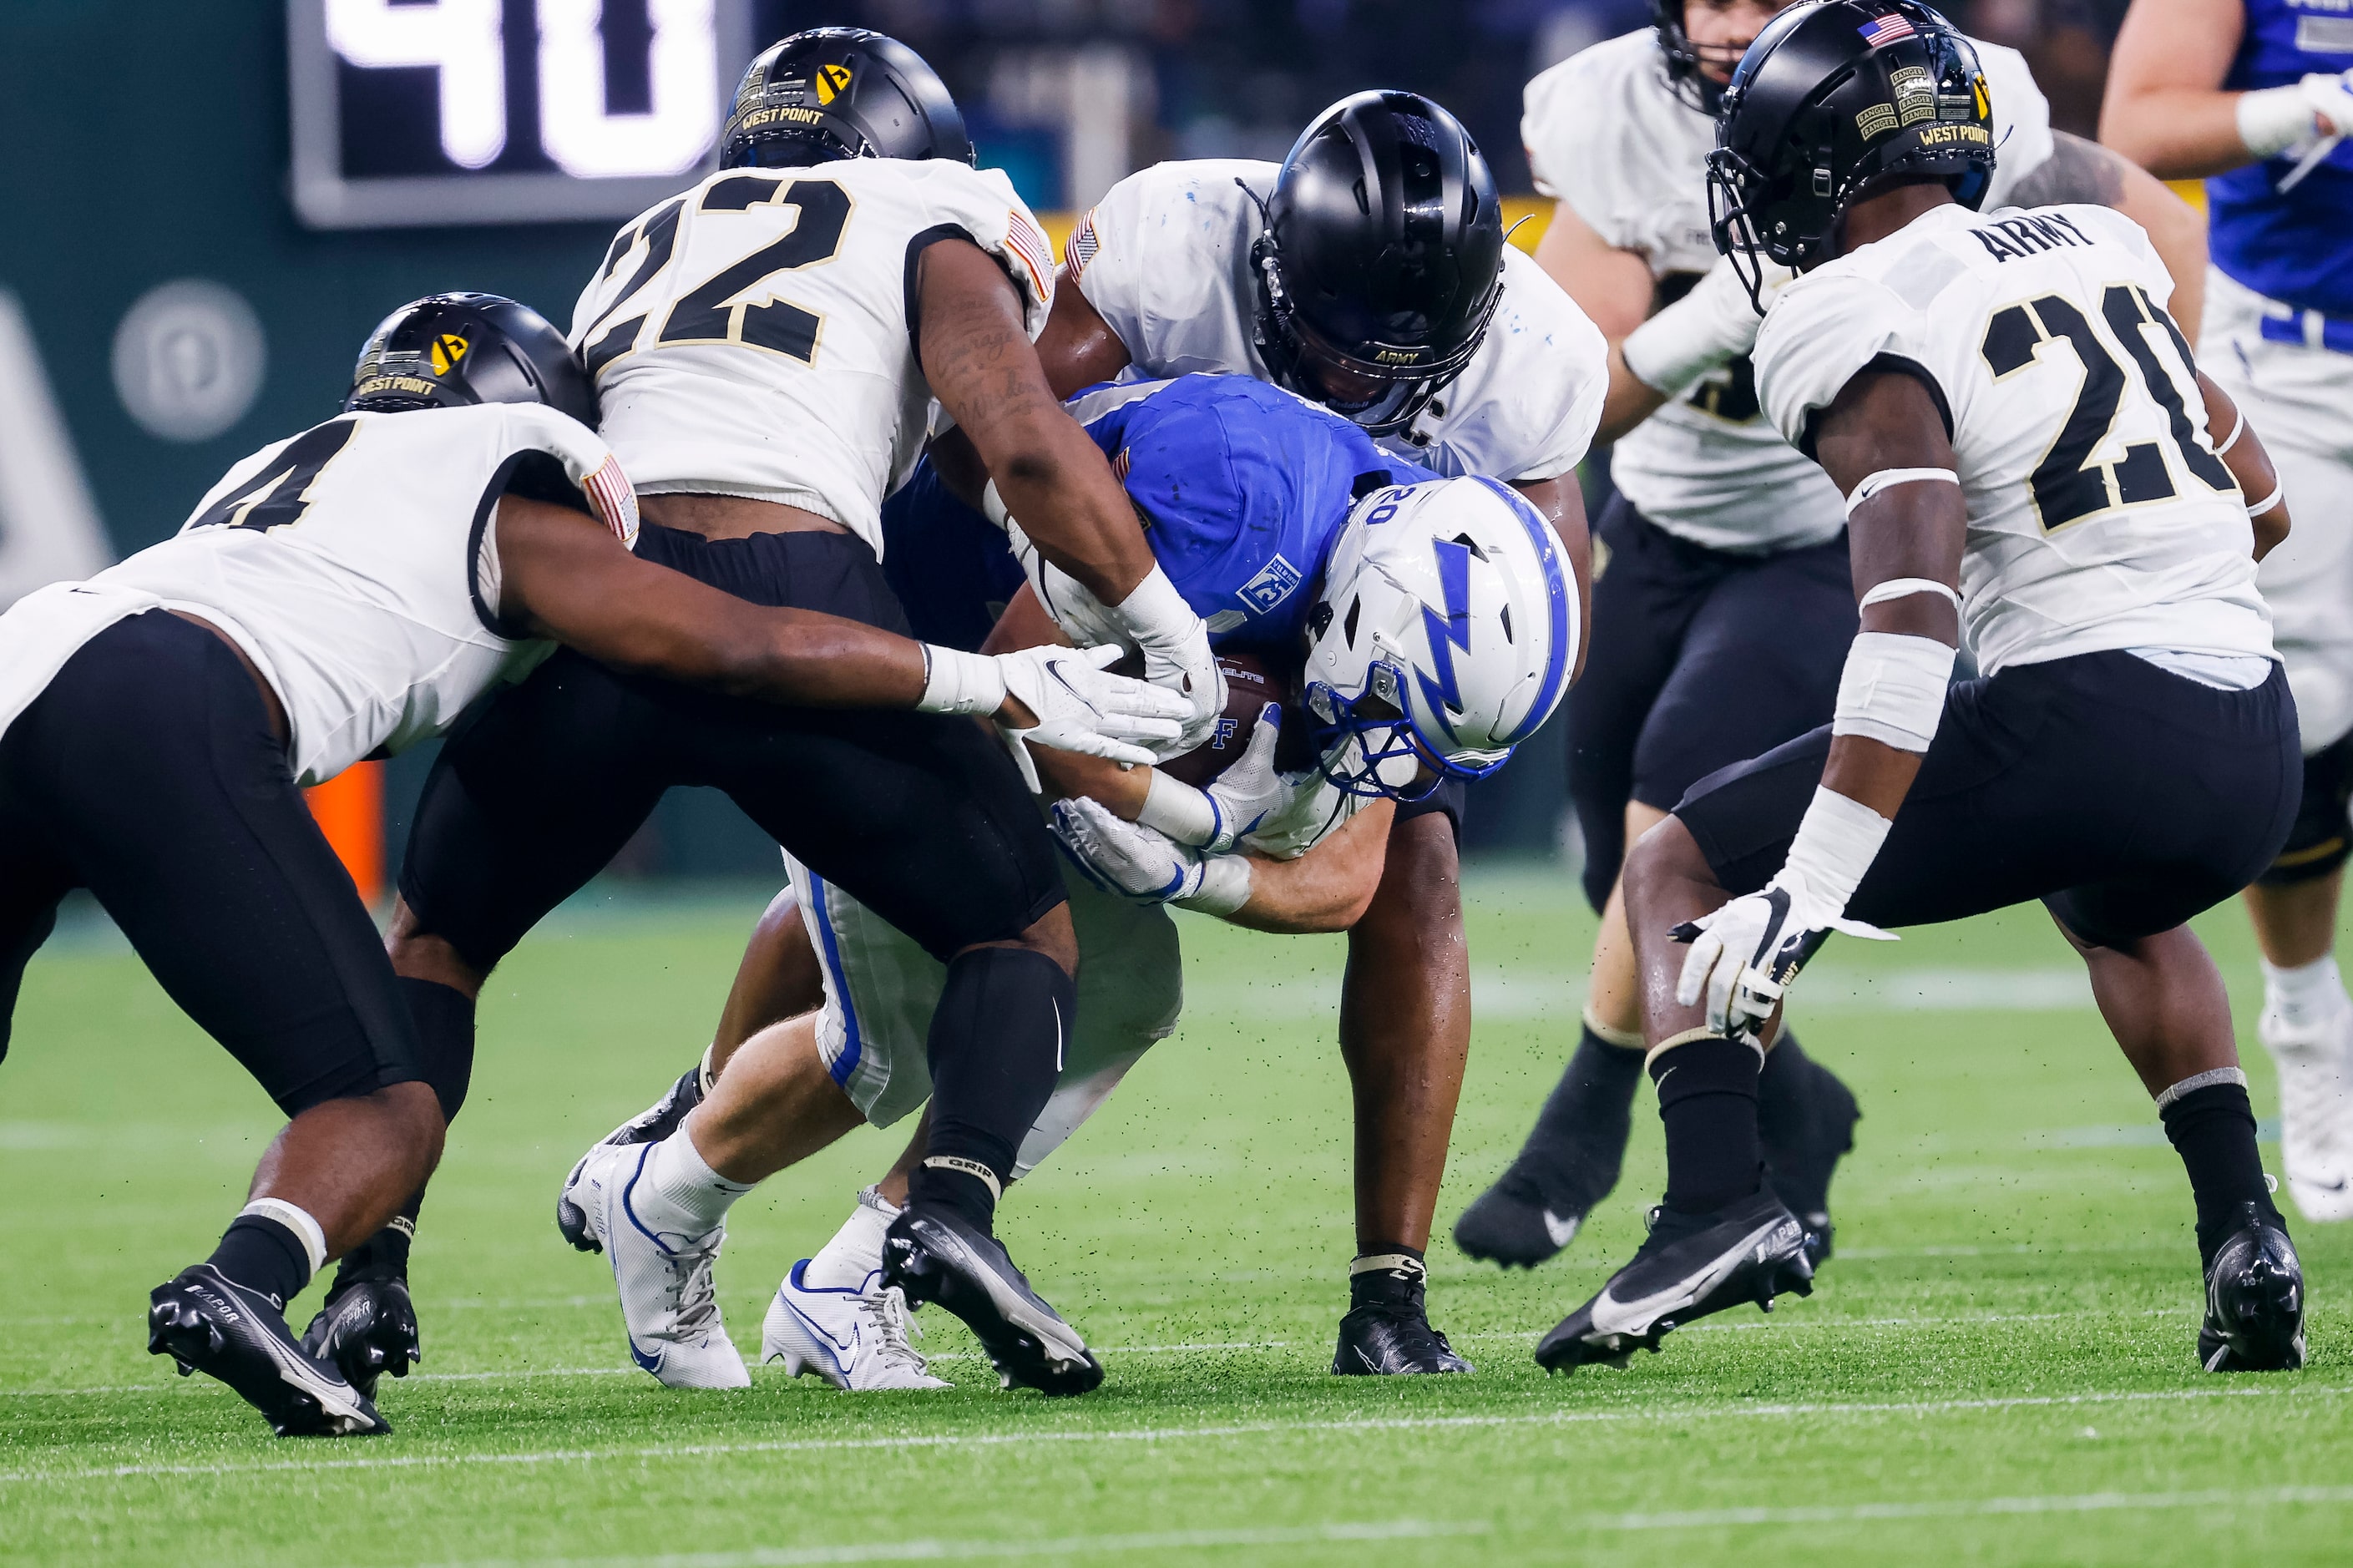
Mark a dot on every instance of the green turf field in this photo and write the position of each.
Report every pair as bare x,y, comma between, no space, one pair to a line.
1997,1367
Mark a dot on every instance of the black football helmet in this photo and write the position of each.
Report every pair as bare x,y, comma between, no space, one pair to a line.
831,93
1832,98
1382,260
452,350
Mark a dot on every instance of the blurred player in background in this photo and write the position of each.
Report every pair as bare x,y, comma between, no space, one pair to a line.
1722,603
767,349
1329,563
1366,273
2258,95
2032,465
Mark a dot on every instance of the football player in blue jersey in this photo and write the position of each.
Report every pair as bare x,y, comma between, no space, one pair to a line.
2257,97
1430,625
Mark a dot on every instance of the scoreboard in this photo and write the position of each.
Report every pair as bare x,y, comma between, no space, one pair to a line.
480,112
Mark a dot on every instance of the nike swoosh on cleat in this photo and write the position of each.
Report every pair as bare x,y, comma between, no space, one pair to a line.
1636,1317
652,1363
847,1351
1562,1231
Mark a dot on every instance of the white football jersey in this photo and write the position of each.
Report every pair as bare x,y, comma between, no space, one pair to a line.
357,564
1165,259
752,336
2100,517
1606,135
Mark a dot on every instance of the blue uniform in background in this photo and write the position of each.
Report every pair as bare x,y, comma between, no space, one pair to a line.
1241,487
2294,246
2278,337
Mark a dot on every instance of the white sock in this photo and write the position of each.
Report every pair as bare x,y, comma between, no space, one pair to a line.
856,1249
680,1192
2307,995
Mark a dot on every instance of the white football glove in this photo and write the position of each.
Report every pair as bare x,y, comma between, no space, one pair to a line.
1174,643
1743,956
1076,706
1235,803
1707,328
2331,98
1144,864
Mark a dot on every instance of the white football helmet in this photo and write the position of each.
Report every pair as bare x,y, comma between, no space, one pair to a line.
1445,632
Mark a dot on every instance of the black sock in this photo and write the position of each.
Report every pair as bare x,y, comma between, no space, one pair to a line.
1392,1284
443,1018
2213,1130
1579,1144
384,1255
262,1254
1803,1123
1707,1099
995,1049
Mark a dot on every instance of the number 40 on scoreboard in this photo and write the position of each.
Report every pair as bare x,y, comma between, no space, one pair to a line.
474,111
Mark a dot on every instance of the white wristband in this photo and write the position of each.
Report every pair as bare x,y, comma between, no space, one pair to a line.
2257,509
1892,689
1225,886
992,505
959,683
1174,807
2275,118
1154,613
1888,478
1836,843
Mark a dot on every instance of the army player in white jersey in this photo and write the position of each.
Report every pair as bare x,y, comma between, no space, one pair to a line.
347,591
768,347
2027,457
1718,532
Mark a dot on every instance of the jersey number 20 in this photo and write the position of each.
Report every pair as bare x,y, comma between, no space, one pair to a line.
704,314
2069,487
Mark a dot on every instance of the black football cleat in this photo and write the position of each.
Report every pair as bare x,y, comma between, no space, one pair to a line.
1751,1249
1515,1223
2254,1300
650,1125
208,1323
1803,1143
366,1328
936,1255
1388,1333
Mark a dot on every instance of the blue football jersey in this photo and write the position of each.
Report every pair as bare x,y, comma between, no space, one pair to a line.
1241,488
2295,246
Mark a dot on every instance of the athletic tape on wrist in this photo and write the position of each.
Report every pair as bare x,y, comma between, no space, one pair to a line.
1186,815
1892,689
973,1168
2197,1081
2275,119
1888,478
959,683
1905,587
1225,886
306,1230
1688,1035
1680,344
1154,613
1837,841
2257,509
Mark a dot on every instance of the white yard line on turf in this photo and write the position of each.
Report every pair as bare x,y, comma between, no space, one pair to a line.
1063,1546
1522,1335
1969,1508
1681,1413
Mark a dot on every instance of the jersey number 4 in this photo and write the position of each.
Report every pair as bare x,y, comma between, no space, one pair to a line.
2068,485
705,314
279,495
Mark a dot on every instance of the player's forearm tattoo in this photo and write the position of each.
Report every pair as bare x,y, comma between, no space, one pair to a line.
2076,171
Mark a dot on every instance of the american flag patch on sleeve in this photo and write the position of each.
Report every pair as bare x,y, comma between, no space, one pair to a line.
1083,247
615,500
1025,239
1884,30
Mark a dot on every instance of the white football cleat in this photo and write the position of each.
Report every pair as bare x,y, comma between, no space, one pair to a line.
2315,1084
854,1339
668,1299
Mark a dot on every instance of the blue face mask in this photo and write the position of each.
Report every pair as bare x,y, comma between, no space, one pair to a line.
1385,735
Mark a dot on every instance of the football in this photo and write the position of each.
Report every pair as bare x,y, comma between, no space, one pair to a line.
1252,682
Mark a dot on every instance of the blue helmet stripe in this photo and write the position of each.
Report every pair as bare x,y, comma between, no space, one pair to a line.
1556,595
